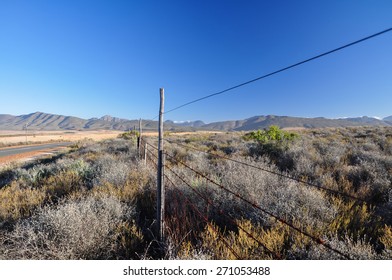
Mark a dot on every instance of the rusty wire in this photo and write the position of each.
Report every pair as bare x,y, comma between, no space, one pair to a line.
209,202
277,218
271,172
205,219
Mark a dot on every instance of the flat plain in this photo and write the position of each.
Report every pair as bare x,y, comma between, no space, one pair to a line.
12,137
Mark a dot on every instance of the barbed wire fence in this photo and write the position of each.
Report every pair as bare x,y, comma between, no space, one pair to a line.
253,204
165,172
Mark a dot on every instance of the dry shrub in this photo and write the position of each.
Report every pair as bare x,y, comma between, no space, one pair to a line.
63,184
386,238
356,221
138,178
357,250
87,228
282,196
19,202
213,245
249,241
110,169
130,241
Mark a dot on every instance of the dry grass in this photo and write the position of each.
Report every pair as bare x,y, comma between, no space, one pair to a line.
8,138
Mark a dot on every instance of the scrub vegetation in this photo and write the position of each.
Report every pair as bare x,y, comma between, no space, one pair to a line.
98,200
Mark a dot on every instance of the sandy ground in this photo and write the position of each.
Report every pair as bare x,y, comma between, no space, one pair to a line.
11,138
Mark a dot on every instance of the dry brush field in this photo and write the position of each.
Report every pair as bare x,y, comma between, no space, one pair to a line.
98,200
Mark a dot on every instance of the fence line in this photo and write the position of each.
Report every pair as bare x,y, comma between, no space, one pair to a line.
189,203
277,218
150,155
313,238
208,201
306,183
205,219
275,255
161,155
271,172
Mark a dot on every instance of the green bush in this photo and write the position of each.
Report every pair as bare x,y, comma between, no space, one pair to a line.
129,135
272,134
272,142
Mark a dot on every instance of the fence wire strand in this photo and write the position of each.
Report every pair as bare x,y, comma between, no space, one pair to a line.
277,218
204,218
271,172
232,221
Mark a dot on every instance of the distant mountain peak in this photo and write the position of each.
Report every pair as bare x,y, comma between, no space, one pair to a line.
388,119
197,123
108,118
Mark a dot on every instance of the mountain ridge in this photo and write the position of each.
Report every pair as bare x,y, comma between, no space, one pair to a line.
260,122
45,121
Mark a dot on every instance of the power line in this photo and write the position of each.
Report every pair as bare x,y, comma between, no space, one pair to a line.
280,70
274,72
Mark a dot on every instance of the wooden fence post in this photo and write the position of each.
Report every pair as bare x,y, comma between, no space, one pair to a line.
145,153
139,139
160,177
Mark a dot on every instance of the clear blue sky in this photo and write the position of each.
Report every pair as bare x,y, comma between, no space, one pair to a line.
92,58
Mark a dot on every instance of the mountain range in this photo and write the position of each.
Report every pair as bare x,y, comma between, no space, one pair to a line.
259,122
44,121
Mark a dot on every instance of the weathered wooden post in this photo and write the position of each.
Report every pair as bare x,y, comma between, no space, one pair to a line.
160,177
145,153
139,139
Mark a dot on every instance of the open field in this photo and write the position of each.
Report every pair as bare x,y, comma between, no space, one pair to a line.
11,138
312,194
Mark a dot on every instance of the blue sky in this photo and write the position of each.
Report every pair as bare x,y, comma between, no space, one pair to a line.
92,58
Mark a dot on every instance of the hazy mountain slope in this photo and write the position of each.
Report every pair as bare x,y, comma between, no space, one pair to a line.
43,121
5,118
260,122
388,120
197,123
225,125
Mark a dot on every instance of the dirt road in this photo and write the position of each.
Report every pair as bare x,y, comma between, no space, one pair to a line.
24,153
